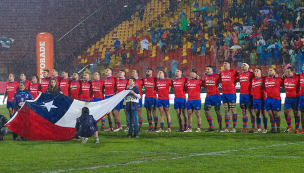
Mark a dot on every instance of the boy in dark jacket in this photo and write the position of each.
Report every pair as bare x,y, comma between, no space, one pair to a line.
3,130
86,126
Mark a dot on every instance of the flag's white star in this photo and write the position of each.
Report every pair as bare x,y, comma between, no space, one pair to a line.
49,105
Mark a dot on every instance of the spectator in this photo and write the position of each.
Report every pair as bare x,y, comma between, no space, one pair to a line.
182,15
203,48
107,59
226,51
261,41
276,56
253,58
117,44
141,13
234,58
269,58
174,65
299,58
86,126
195,4
162,45
124,57
131,57
172,4
3,129
263,58
132,100
260,48
210,26
194,47
239,57
144,44
153,37
293,60
212,7
286,58
184,24
135,44
53,87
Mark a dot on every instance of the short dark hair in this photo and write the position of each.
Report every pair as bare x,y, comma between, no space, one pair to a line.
137,71
56,69
274,69
85,110
289,68
110,69
23,83
133,79
98,73
123,71
150,69
180,70
87,73
227,61
22,73
46,70
259,69
163,72
12,74
210,66
36,77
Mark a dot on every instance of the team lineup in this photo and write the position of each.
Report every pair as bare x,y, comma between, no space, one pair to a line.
259,96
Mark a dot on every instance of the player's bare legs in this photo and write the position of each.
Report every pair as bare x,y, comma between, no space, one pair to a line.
163,111
11,111
232,107
167,112
199,119
252,117
302,122
274,119
227,117
190,112
110,122
179,118
150,112
287,113
117,120
184,112
258,117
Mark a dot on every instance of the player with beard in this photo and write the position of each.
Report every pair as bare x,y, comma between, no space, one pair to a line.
75,87
65,83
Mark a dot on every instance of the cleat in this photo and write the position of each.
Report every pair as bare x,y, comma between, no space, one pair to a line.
188,130
258,131
101,128
278,130
159,130
252,131
296,131
149,130
272,131
243,130
301,132
209,130
233,130
288,130
15,139
118,129
264,131
109,129
219,130
128,136
179,130
126,130
168,130
135,136
84,140
198,130
154,130
225,131
96,140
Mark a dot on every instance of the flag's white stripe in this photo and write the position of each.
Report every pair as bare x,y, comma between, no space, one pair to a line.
97,109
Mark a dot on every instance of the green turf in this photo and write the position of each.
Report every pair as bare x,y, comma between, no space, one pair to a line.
164,152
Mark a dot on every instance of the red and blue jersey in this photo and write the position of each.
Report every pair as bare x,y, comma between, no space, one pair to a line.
11,90
58,79
150,86
110,85
292,86
65,85
179,87
245,82
34,88
121,84
75,90
163,86
193,87
44,84
258,88
28,84
272,86
228,79
211,83
86,90
98,89
139,83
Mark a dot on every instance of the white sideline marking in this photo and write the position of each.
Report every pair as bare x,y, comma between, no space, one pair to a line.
175,158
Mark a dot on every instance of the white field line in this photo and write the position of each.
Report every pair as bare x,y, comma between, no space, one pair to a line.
174,158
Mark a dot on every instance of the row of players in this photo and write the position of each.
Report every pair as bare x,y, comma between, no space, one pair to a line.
257,95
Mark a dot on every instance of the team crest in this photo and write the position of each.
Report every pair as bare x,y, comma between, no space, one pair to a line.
229,73
247,74
151,80
194,81
98,84
212,77
273,78
292,79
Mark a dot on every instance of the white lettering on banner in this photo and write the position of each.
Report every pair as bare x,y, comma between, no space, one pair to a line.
42,58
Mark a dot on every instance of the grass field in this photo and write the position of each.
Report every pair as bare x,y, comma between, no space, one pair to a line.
164,152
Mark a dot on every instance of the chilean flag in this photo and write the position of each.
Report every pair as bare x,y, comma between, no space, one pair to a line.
52,117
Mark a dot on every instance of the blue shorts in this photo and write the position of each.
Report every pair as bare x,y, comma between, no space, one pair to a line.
179,103
229,98
214,100
194,104
140,103
258,104
291,103
162,102
246,99
96,99
108,96
301,102
120,106
272,104
150,102
8,104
